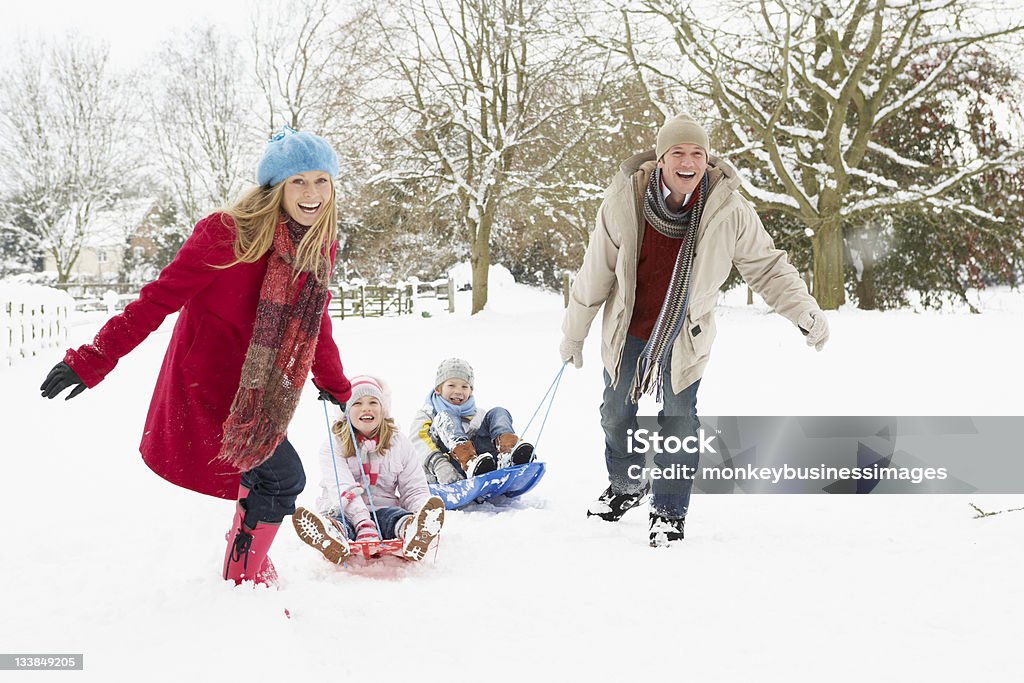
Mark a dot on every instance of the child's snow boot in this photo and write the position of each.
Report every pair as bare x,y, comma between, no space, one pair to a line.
664,529
611,506
322,536
419,530
512,451
471,462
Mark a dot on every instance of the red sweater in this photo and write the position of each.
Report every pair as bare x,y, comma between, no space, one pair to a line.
658,255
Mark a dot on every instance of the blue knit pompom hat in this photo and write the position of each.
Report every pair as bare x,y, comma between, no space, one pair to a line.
290,152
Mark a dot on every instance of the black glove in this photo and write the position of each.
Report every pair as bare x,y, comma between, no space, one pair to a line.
328,396
60,378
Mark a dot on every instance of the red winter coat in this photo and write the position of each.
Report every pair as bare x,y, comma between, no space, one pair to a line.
203,363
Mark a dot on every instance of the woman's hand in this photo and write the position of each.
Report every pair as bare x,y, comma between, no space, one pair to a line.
60,378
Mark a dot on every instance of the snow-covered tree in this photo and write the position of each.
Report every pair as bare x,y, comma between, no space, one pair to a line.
921,247
68,149
202,115
544,233
465,87
308,62
803,90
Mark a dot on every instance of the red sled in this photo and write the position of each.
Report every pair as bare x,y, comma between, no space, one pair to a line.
372,550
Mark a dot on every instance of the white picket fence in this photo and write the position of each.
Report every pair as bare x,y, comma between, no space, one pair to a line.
32,319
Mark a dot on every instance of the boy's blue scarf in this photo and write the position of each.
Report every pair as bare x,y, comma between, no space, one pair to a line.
467,409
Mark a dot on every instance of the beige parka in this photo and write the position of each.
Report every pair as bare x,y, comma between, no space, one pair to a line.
730,232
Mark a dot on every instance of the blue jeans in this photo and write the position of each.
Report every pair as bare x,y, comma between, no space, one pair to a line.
447,430
389,517
273,487
618,415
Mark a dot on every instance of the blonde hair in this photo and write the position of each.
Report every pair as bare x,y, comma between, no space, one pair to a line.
256,214
385,432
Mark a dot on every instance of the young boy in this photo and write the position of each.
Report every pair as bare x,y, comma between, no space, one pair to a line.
458,440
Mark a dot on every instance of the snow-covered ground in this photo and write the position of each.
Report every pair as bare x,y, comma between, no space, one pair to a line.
102,557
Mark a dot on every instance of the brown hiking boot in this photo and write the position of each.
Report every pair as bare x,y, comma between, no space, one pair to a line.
472,463
505,442
422,528
314,532
512,451
463,453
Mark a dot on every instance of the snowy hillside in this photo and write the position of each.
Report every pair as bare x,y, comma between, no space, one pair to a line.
102,557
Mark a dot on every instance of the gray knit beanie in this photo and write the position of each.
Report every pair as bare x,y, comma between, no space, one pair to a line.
454,368
679,130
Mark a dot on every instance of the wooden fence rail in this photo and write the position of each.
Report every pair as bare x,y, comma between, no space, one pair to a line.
371,301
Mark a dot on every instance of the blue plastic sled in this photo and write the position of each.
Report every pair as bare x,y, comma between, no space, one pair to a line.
511,482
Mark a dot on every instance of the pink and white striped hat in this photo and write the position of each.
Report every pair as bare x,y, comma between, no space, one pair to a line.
366,385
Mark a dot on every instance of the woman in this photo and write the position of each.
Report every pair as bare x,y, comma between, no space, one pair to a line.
251,285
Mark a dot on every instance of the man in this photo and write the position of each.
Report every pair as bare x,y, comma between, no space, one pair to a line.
671,226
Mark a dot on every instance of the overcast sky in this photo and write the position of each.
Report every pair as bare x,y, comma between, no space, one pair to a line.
133,29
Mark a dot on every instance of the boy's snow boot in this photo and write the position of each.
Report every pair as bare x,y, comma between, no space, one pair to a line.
471,462
266,574
419,530
481,464
246,556
664,530
320,535
611,506
512,451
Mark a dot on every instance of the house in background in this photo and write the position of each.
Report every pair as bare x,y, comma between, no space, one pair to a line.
110,233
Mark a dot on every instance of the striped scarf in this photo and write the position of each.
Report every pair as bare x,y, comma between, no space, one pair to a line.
653,359
280,354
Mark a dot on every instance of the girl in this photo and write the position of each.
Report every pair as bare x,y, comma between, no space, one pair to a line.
251,285
402,504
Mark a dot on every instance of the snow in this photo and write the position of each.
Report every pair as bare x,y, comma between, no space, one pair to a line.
895,156
498,276
103,558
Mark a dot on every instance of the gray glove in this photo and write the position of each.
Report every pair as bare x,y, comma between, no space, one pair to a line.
571,350
814,325
441,467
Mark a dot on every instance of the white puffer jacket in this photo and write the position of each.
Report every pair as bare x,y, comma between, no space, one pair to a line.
401,480
419,430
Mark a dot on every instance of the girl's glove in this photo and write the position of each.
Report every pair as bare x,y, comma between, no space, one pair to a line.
349,495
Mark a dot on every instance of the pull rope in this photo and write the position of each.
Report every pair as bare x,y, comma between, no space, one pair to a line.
362,472
552,390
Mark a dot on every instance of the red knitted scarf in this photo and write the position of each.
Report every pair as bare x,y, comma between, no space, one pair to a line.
280,354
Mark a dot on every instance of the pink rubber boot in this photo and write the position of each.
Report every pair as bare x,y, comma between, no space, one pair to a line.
246,557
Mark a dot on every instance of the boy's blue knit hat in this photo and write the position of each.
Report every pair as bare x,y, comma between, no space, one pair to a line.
290,152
